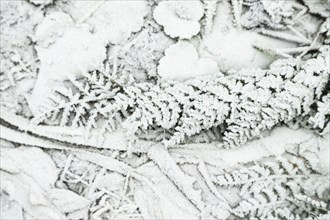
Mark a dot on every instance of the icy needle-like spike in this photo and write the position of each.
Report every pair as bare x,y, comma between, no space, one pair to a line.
294,30
284,36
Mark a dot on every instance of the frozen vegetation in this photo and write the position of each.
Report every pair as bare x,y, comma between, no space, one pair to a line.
163,109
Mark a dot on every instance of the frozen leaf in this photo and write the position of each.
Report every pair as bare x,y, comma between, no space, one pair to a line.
33,162
161,197
184,182
181,62
64,48
28,186
67,201
179,18
66,51
320,7
113,21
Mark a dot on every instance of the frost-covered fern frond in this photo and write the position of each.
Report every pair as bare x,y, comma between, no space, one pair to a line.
270,171
82,104
245,103
267,200
278,187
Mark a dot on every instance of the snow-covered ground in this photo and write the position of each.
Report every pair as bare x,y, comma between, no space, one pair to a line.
165,109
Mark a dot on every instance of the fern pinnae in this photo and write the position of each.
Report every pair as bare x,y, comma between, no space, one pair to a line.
301,199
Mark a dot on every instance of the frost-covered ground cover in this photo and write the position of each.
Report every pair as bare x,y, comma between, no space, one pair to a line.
136,109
